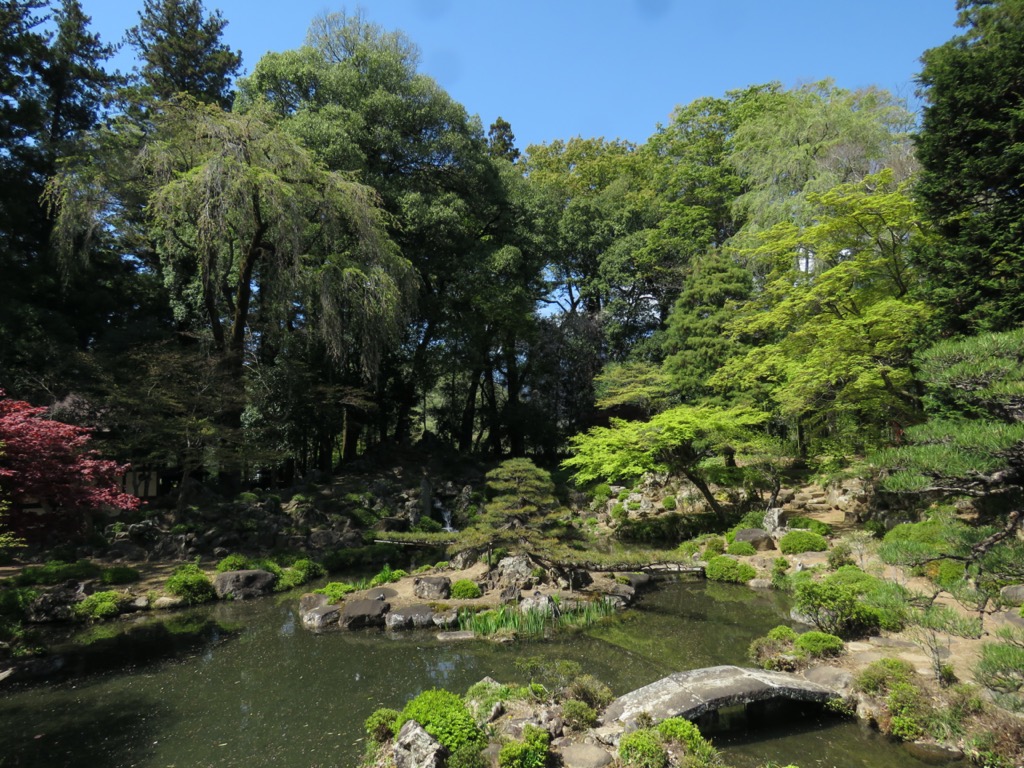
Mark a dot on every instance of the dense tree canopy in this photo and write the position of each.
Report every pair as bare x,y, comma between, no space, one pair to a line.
331,255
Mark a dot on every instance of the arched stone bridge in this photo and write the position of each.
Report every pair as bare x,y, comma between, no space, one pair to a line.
699,691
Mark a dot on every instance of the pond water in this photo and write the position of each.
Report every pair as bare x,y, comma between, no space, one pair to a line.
268,693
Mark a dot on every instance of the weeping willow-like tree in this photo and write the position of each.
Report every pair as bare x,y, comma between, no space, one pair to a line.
253,238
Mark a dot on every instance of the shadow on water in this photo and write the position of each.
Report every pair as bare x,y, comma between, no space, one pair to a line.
75,731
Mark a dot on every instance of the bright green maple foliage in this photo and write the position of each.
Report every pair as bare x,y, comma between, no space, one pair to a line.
676,441
837,320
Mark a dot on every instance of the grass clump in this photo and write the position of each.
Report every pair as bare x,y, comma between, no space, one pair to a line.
191,584
723,568
799,541
878,676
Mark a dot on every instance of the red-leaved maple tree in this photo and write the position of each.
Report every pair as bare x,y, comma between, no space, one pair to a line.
50,463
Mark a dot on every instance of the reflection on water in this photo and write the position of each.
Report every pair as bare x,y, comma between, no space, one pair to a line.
274,695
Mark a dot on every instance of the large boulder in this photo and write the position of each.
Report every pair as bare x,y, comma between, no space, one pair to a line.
585,756
413,617
541,603
56,605
415,748
1012,594
360,614
242,585
322,617
516,571
432,587
758,538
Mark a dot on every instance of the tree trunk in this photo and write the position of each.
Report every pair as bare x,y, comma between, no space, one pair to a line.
709,497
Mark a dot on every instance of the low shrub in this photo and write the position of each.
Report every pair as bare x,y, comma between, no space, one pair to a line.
819,644
335,590
465,589
642,749
590,690
234,562
99,606
839,556
380,726
388,575
698,749
669,502
191,584
780,566
119,574
714,545
836,609
908,711
877,677
601,493
300,572
444,716
796,542
531,752
741,549
810,524
578,715
427,525
723,568
775,650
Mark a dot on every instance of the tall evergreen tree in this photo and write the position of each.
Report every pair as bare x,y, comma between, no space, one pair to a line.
973,166
181,51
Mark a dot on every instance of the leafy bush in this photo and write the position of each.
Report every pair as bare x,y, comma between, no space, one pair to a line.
776,650
908,711
714,545
836,609
578,714
723,568
879,675
780,566
119,574
300,572
642,749
427,525
819,644
796,542
234,562
810,524
669,502
99,606
601,493
465,589
531,752
445,717
741,549
380,726
682,731
191,584
840,555
247,497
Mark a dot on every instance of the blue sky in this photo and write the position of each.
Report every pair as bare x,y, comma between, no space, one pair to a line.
613,68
